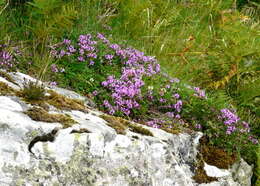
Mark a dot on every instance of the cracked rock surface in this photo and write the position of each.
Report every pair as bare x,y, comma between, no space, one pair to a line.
92,153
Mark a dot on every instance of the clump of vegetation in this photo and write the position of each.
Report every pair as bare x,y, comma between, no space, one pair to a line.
7,77
120,125
32,91
213,156
200,175
63,103
39,114
216,156
115,123
35,94
139,130
171,130
6,90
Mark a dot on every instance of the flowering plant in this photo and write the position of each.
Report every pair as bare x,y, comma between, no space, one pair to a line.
125,82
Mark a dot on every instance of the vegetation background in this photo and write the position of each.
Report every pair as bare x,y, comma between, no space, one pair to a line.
211,44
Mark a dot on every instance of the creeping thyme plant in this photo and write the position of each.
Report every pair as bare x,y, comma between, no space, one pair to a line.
125,82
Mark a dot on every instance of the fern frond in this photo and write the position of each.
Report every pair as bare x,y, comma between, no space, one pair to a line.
51,17
224,81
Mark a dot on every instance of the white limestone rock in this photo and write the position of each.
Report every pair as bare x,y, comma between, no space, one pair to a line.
98,157
213,171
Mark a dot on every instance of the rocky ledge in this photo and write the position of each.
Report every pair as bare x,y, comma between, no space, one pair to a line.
89,150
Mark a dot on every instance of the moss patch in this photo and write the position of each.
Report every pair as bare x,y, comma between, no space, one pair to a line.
115,123
212,156
120,125
61,102
171,130
39,114
200,174
6,90
7,77
216,156
140,130
54,99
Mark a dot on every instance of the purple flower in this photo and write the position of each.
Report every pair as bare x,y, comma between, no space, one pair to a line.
81,58
114,46
71,49
153,124
109,56
253,140
198,126
170,114
54,68
91,63
229,117
92,55
245,124
230,129
81,51
157,68
178,106
66,41
168,86
95,93
101,36
161,100
177,96
62,53
199,93
53,83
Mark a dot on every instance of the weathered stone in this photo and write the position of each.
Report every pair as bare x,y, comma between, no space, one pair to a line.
98,156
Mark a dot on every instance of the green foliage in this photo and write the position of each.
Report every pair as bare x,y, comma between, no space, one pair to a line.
32,91
51,18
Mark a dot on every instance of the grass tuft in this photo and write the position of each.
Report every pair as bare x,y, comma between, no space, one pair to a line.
32,91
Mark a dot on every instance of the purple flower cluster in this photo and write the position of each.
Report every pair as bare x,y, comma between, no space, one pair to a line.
230,120
253,140
178,106
55,69
7,60
233,123
85,51
199,93
198,126
126,90
229,117
155,123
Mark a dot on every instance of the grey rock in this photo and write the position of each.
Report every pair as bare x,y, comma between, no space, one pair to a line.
99,158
